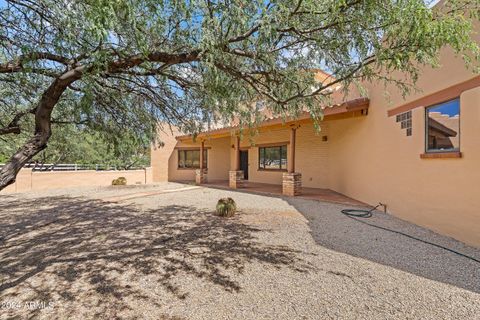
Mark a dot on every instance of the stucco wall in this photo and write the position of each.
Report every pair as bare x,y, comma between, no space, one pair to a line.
28,180
160,154
164,159
218,158
266,136
311,154
373,160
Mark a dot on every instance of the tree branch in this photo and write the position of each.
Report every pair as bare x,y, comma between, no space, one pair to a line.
13,126
17,65
245,35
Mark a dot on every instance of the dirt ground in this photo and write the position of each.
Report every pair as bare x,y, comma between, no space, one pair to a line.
160,252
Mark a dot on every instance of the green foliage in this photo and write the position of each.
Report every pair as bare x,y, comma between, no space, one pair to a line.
120,181
226,207
241,51
77,144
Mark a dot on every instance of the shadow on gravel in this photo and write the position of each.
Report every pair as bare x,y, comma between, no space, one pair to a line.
87,251
393,242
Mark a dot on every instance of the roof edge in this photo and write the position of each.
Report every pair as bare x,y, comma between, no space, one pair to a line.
346,107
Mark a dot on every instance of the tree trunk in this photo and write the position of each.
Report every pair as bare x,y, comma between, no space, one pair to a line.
33,146
43,129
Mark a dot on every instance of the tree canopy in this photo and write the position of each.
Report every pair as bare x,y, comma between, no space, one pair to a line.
74,144
119,66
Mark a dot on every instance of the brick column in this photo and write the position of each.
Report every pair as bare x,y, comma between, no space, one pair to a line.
236,179
292,184
200,176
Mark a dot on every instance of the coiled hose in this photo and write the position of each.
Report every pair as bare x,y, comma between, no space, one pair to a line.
359,213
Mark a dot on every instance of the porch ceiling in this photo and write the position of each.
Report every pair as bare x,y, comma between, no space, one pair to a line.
344,108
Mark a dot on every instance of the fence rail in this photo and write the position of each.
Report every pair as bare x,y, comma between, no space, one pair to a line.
73,167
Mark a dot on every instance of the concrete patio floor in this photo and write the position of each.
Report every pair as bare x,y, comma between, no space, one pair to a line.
274,189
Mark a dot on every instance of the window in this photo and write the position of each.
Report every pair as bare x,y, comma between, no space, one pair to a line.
443,127
190,159
273,158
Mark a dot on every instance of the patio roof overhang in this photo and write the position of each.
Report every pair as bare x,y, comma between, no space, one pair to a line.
351,106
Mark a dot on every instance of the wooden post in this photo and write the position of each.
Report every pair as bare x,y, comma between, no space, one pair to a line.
291,180
237,153
291,161
202,148
200,174
235,175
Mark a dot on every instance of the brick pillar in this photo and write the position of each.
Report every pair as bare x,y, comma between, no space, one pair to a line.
200,176
236,179
292,184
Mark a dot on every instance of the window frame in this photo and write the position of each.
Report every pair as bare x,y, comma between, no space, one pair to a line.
281,146
192,150
439,151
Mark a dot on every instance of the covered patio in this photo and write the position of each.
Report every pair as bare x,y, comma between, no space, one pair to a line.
296,152
325,195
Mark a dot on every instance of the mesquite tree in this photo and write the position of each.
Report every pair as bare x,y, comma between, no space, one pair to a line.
123,65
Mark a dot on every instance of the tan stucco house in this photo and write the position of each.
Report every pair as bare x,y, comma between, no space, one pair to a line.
420,155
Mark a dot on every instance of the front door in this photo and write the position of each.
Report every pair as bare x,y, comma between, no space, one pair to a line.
244,163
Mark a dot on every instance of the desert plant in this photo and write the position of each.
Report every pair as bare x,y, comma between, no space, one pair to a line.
226,207
120,181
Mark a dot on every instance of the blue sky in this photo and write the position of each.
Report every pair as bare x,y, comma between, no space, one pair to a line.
451,108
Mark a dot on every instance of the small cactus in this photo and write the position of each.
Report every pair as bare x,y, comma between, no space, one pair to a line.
226,207
120,181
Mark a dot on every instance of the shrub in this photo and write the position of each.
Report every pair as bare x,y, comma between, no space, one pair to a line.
120,181
226,207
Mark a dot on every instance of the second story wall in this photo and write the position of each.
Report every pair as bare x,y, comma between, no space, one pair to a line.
374,160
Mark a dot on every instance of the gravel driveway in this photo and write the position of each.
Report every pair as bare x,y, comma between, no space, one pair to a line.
159,252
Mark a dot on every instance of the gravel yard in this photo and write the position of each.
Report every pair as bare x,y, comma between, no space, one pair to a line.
159,252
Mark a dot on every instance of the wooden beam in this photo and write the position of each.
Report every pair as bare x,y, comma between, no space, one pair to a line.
202,148
441,155
291,161
447,94
348,107
237,154
273,144
191,148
